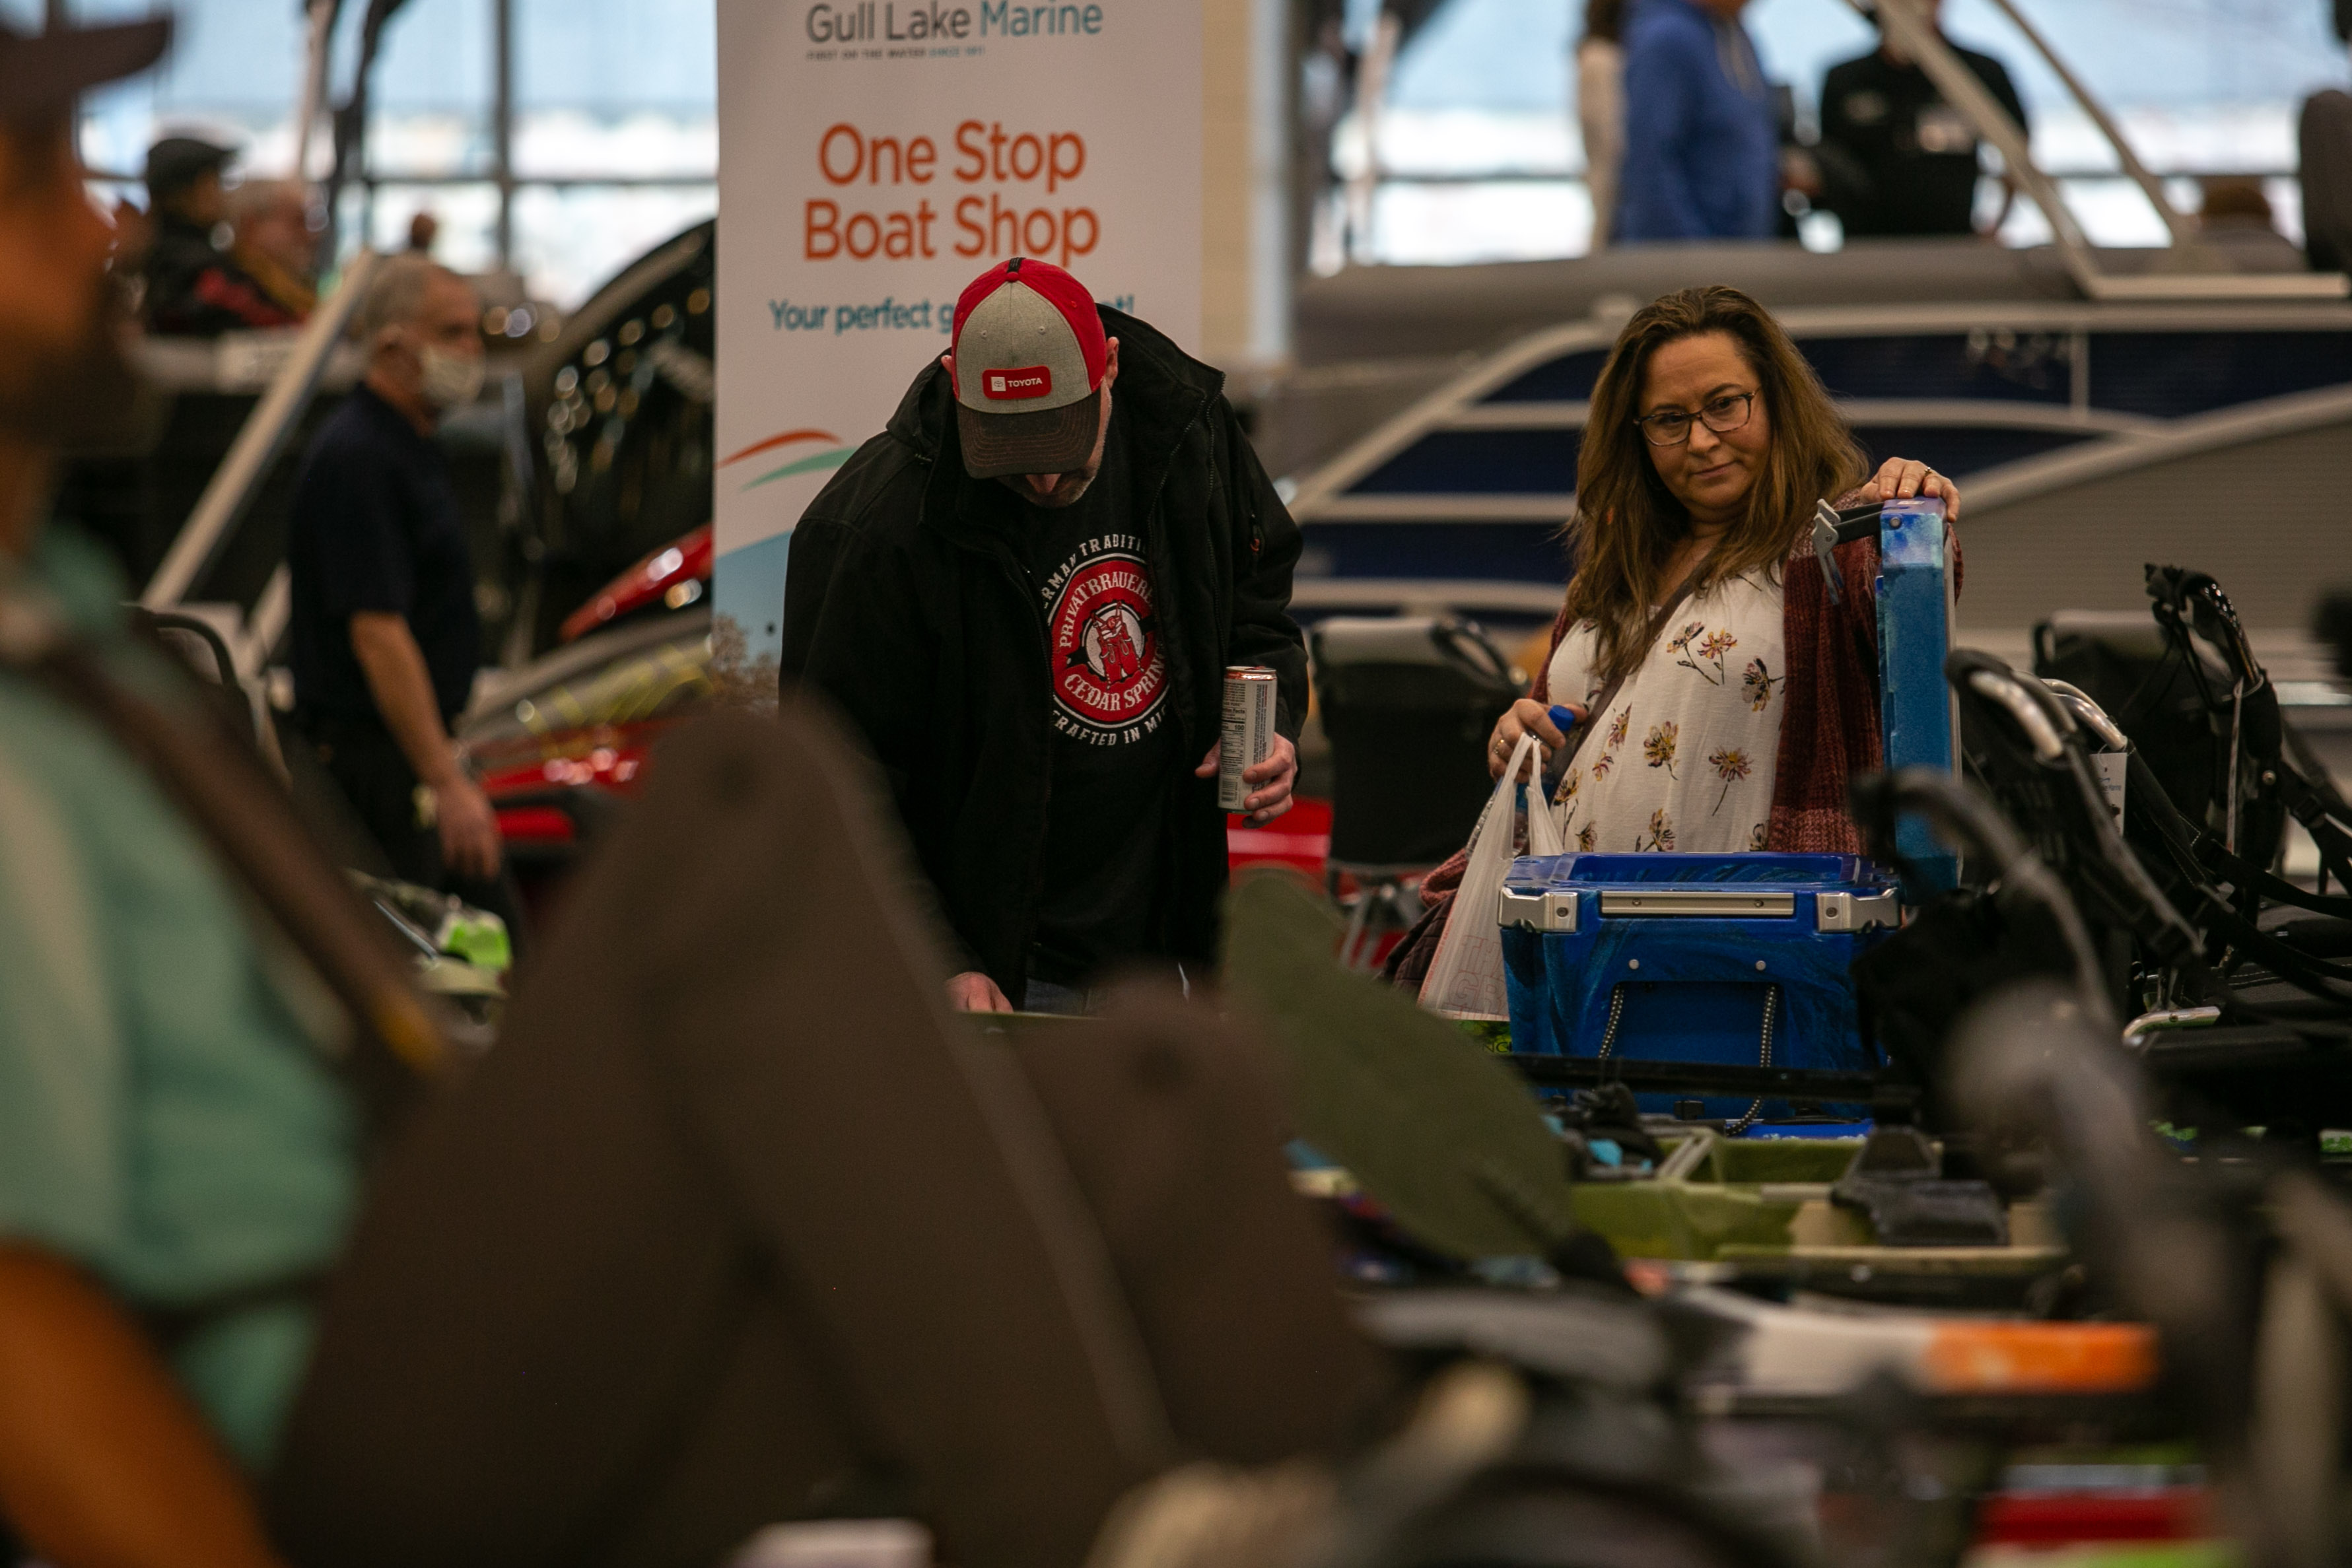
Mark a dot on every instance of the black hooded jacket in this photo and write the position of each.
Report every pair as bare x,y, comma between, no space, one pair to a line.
913,614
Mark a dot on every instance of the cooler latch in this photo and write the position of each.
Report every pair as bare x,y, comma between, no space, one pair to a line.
1856,911
1543,910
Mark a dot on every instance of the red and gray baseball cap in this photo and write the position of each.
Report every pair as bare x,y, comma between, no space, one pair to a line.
41,73
1029,357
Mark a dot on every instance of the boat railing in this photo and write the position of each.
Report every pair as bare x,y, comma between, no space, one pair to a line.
2166,441
2189,269
250,457
1475,400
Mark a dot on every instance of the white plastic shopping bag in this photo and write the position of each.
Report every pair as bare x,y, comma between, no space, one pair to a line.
1465,978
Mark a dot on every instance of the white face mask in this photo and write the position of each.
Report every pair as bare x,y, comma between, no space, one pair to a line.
450,380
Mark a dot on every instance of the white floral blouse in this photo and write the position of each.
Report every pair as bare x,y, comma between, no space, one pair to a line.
1683,759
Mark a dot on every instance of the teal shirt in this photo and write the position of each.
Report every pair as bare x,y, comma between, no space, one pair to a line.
167,1118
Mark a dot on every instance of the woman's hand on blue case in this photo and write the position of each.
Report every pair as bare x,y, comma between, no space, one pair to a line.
1525,715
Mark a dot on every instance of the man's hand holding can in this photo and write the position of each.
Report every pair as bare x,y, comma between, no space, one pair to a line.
1270,780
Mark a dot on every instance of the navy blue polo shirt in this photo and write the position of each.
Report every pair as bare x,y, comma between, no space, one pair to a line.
376,528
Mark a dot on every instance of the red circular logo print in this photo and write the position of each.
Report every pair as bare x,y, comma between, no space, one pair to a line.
1109,672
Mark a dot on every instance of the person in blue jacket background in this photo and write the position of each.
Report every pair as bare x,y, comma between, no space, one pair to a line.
1702,137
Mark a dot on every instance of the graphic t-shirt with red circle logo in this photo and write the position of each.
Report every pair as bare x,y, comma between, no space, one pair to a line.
1102,635
1118,741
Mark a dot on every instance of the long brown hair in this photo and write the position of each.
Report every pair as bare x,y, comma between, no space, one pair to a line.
1628,523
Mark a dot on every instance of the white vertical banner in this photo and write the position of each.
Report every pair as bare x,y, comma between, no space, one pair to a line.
877,155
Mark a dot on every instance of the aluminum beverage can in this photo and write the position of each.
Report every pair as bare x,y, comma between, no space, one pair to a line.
1247,738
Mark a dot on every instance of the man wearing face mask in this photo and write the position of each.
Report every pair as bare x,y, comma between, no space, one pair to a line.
385,641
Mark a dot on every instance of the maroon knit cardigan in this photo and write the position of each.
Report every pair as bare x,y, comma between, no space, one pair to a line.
1828,726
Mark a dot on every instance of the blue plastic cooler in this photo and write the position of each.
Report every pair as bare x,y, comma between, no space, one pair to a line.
1740,959
1690,957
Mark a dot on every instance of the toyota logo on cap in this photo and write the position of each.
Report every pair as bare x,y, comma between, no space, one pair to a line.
1030,355
1027,382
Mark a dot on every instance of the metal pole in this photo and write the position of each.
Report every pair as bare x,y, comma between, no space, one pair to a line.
1371,99
502,130
1910,31
1905,25
313,94
1274,79
267,623
2174,223
258,445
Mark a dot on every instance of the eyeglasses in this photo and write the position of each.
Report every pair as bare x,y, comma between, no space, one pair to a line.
1671,427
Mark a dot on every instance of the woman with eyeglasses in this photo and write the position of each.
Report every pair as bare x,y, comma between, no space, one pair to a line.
1721,698
1732,721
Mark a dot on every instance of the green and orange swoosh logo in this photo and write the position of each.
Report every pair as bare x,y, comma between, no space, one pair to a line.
835,455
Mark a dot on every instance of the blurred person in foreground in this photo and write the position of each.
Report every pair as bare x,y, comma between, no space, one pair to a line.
1025,594
195,289
166,1133
275,244
670,1262
385,640
1600,85
1895,157
1722,698
1702,127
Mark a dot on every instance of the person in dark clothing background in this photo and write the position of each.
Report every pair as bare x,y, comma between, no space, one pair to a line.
1895,158
1023,595
385,638
194,288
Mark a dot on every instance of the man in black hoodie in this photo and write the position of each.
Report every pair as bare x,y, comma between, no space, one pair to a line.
1023,594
